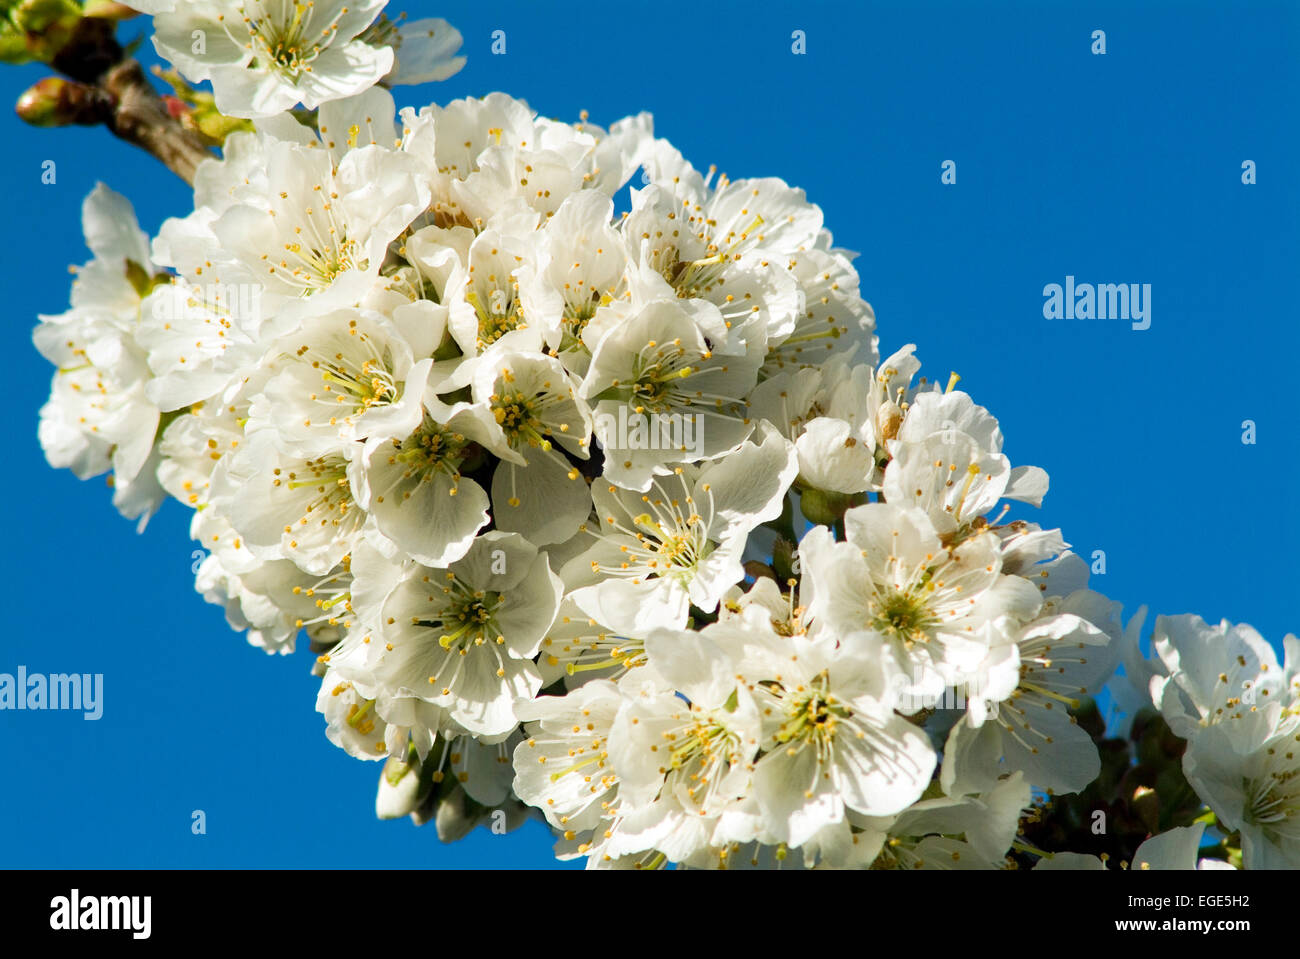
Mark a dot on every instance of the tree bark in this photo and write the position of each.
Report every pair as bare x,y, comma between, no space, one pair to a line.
116,92
141,117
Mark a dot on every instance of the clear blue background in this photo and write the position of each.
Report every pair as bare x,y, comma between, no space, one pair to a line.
1117,168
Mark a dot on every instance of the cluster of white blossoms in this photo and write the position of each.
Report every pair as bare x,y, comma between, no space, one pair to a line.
595,501
264,57
1221,689
707,723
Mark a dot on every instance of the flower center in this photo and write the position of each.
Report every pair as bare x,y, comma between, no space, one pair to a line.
289,36
329,476
432,447
355,377
502,313
812,716
655,379
577,314
901,615
468,620
700,753
317,263
517,415
681,546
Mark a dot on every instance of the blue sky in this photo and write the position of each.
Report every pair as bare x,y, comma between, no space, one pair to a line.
1120,168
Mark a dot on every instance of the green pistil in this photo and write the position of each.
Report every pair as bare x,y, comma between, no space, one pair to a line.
812,718
515,413
654,385
468,622
703,740
903,616
432,447
576,319
493,326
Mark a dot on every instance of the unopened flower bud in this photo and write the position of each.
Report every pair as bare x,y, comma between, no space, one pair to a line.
456,816
217,126
39,104
399,790
888,419
783,559
55,102
824,507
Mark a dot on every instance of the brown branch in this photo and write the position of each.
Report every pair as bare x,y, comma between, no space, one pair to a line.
89,51
140,116
106,88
